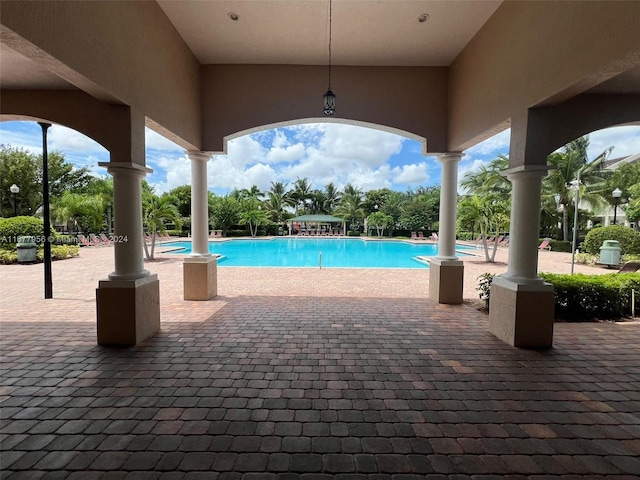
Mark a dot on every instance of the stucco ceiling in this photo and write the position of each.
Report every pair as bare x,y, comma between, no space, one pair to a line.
20,72
364,32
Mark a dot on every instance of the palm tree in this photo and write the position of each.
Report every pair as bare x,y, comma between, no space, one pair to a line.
86,212
568,165
350,189
489,178
490,213
331,198
275,207
251,193
253,216
156,212
351,210
301,194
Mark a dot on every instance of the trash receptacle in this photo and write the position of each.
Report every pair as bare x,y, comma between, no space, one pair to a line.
610,253
26,249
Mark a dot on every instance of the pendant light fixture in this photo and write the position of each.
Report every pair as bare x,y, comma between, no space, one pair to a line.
329,99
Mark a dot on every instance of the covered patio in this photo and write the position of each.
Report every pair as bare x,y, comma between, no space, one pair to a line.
313,374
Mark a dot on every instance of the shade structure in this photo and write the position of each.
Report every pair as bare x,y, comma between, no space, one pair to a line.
316,218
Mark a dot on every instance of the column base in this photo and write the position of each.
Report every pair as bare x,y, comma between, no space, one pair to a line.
200,278
446,280
128,310
522,315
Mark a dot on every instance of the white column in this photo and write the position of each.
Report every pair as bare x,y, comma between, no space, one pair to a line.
525,224
199,204
127,210
448,206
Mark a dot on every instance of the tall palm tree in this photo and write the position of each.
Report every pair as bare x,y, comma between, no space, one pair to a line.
489,178
350,189
568,164
301,194
332,197
251,193
157,211
351,210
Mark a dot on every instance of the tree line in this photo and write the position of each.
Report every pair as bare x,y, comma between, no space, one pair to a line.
81,202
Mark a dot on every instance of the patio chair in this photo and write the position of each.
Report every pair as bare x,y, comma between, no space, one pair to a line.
95,240
105,240
630,267
545,245
84,241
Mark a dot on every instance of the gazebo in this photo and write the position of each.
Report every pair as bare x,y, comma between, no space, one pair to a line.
313,224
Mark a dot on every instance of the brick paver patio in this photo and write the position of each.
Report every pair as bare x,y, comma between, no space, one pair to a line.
306,374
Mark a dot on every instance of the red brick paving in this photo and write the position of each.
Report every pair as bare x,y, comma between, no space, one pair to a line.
307,374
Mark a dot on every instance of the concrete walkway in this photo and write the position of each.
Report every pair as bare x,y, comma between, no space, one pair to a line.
307,374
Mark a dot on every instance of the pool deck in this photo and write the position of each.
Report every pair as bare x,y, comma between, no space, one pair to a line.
307,374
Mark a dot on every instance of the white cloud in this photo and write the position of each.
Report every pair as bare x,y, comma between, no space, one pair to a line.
414,174
472,167
287,154
68,140
625,140
155,141
177,172
492,146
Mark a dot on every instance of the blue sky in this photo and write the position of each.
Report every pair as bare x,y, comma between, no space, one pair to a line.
327,152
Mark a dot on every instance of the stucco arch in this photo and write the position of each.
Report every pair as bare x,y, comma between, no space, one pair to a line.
545,129
116,127
339,121
240,98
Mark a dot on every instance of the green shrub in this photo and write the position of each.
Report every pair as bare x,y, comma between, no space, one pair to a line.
61,252
583,297
14,227
586,259
629,239
560,246
8,255
484,287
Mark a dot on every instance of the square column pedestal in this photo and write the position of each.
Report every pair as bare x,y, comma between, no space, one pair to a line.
522,315
128,310
446,280
200,278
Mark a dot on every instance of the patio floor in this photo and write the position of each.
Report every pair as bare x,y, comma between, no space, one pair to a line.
305,374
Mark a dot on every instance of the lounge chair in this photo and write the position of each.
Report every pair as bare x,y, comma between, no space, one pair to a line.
630,267
414,236
434,237
420,236
504,242
545,245
95,240
84,242
105,240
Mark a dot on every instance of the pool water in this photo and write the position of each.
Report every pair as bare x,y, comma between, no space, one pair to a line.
309,252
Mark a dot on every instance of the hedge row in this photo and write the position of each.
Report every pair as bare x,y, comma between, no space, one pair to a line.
584,297
58,252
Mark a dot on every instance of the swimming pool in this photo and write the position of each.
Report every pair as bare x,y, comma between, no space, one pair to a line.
306,252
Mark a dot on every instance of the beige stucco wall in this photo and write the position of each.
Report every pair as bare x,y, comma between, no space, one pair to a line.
536,53
117,128
243,97
125,52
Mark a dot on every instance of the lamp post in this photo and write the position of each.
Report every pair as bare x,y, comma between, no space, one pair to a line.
616,194
576,201
48,280
15,190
